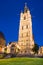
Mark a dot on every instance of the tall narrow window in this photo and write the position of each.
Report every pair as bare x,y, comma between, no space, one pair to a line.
27,34
24,17
26,43
22,35
26,26
22,27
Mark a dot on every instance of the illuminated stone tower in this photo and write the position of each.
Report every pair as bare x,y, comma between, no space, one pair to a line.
25,40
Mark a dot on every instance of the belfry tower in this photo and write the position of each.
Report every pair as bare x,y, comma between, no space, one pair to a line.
25,40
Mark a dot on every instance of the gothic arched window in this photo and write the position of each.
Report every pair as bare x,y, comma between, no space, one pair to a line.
22,34
26,26
22,27
24,17
27,34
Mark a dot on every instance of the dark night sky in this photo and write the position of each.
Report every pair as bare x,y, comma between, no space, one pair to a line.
10,18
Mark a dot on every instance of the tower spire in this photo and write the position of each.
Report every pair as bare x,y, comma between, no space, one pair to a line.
26,5
25,8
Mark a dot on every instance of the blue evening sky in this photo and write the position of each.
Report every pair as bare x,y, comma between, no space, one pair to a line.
10,18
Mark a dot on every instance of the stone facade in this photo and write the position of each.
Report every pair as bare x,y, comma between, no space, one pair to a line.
12,47
25,39
40,52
